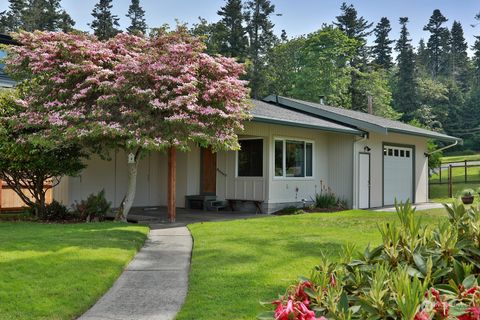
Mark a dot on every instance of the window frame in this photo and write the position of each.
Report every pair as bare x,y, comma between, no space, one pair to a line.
263,159
284,158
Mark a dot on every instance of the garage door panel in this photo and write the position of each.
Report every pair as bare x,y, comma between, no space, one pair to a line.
397,173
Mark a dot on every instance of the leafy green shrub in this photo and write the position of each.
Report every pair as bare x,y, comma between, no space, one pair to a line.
94,208
56,212
418,272
325,200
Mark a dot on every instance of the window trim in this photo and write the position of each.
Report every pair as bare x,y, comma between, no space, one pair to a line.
284,158
263,160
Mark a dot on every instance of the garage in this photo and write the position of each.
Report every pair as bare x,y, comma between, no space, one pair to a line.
397,174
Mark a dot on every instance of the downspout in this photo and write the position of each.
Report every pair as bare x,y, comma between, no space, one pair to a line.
441,149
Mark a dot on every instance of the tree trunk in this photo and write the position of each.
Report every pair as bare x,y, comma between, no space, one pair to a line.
127,201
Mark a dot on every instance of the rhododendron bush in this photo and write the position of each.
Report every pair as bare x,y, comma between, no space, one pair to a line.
419,272
136,93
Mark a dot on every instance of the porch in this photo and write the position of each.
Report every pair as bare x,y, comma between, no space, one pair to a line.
157,216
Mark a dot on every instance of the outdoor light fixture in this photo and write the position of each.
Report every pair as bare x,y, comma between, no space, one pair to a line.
367,149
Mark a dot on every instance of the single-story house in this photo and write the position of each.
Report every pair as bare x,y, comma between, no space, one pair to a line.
290,151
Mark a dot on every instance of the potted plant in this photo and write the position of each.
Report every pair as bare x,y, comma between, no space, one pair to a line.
467,196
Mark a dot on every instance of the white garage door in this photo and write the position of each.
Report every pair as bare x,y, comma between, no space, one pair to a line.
397,174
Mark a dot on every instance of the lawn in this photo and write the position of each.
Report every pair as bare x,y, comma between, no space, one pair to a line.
237,264
470,157
57,271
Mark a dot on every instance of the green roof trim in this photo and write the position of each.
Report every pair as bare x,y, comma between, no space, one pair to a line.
360,120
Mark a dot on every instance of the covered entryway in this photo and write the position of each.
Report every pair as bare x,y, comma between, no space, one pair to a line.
398,173
364,180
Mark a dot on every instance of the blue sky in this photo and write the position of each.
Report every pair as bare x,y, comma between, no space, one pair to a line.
298,16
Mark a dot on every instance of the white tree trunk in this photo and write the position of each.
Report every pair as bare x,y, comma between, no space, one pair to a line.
127,202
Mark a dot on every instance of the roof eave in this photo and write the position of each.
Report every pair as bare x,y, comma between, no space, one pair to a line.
444,138
327,114
304,125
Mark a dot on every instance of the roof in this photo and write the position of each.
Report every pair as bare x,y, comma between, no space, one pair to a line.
6,39
272,113
359,120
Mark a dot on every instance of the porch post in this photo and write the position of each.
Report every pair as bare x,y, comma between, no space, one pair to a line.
172,182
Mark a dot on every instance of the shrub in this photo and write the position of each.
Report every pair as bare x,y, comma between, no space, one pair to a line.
325,199
94,208
290,211
56,212
418,272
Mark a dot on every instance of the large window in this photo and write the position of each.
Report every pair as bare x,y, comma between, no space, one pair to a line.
250,158
293,158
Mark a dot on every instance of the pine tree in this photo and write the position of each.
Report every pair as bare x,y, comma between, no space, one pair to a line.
261,39
405,93
459,58
12,19
382,50
421,59
31,15
137,18
356,28
235,40
437,44
104,23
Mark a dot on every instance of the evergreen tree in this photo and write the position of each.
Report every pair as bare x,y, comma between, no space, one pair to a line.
421,59
31,15
211,33
357,28
476,60
12,19
137,18
459,58
261,39
437,44
382,51
104,23
405,91
235,41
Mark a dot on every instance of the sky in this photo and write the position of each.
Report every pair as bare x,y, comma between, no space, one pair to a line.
297,16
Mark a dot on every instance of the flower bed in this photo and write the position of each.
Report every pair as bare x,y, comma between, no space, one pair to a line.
418,272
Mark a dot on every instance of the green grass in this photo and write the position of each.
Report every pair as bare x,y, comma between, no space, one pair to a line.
471,157
439,192
458,175
236,264
57,271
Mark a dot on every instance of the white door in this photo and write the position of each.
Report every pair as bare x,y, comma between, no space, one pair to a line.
364,181
397,174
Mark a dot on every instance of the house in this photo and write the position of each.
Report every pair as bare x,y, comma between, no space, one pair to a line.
290,151
5,81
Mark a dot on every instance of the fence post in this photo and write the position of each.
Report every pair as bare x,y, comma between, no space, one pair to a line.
1,191
450,189
465,171
440,173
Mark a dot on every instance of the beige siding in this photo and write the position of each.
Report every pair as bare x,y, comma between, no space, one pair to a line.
340,165
375,143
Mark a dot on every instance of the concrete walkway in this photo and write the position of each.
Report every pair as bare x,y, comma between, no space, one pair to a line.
419,207
155,283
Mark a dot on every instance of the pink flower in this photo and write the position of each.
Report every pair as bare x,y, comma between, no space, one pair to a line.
422,315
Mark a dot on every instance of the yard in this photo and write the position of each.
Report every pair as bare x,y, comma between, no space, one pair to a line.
237,264
57,271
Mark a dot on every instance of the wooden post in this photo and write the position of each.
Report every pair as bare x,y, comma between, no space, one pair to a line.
465,171
450,189
440,173
1,191
172,183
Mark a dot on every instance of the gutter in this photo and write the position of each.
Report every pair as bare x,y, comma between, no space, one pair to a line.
441,149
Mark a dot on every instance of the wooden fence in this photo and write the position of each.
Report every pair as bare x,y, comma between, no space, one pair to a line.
10,201
450,179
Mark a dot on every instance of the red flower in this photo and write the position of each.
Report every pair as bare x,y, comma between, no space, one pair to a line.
422,315
473,313
300,291
333,281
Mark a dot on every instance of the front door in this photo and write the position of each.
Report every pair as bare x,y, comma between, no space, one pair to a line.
364,181
208,172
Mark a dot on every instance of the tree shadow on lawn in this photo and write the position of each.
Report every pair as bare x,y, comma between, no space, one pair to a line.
27,236
56,285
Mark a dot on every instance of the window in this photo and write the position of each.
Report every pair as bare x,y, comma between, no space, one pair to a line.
293,158
250,158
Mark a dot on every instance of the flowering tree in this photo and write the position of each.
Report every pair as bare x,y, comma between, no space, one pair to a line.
131,92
